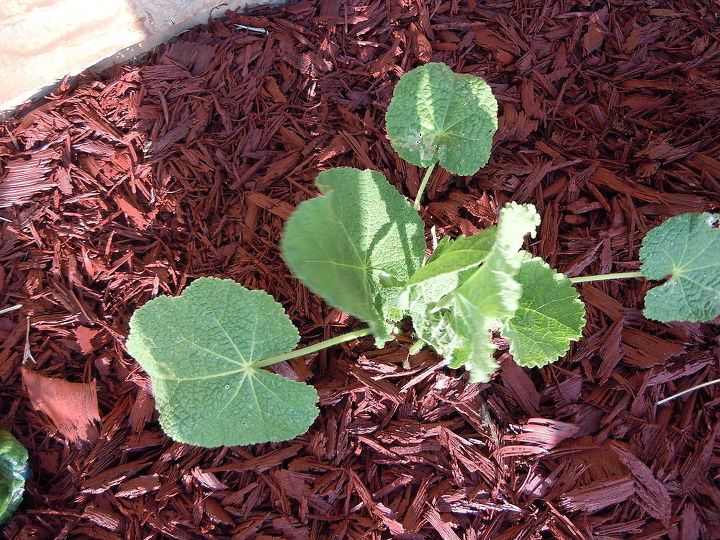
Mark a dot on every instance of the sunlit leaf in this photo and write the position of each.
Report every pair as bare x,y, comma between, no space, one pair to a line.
352,245
202,351
490,296
439,116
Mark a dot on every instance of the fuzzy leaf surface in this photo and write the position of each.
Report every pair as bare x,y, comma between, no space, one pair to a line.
433,328
455,256
549,316
13,472
437,330
490,296
352,245
686,249
436,115
453,260
201,351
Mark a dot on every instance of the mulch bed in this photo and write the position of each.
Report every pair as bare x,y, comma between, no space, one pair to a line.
138,180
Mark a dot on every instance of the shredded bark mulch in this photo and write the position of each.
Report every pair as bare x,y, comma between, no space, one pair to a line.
136,181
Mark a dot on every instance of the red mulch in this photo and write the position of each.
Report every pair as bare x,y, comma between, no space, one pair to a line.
188,165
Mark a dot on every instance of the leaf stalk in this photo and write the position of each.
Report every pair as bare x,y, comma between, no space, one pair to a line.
423,184
313,348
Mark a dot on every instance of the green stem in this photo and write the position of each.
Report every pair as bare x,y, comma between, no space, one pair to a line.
416,347
313,348
603,277
423,184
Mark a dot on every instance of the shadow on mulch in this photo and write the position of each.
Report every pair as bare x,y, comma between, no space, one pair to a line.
144,178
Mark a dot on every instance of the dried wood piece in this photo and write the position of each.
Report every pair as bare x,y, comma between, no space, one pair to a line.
600,494
71,407
653,495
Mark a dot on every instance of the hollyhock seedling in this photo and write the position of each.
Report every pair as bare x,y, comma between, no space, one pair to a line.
361,246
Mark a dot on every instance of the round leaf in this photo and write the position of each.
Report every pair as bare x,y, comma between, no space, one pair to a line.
201,350
685,248
439,116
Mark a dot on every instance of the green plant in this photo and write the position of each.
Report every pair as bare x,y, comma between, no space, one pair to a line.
361,246
13,473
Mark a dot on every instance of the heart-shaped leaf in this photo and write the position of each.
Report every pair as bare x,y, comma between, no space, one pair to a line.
203,352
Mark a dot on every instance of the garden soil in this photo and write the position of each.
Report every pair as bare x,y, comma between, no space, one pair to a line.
134,182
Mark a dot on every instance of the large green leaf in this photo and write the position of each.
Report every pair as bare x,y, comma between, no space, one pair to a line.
13,472
357,245
549,316
437,115
686,248
202,351
490,296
